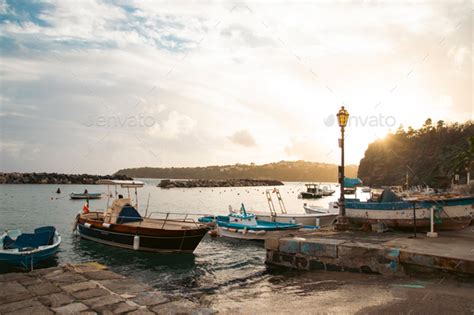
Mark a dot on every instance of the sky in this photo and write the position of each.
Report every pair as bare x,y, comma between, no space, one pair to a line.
95,86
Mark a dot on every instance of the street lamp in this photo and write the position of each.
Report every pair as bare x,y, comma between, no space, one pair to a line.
342,118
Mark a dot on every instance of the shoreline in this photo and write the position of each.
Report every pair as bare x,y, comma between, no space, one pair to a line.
56,178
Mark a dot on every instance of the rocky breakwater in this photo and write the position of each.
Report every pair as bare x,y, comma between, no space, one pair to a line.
55,178
167,183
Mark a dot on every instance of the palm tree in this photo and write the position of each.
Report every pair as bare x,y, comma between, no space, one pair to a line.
464,160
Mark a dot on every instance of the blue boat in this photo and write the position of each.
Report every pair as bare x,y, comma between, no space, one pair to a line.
28,250
244,225
450,212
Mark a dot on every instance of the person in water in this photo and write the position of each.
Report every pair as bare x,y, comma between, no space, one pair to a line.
58,191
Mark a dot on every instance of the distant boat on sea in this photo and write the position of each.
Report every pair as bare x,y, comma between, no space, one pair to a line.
350,185
86,195
313,191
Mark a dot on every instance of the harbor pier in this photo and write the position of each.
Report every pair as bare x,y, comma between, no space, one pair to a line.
384,253
85,289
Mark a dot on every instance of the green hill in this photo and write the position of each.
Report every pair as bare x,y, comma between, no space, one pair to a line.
430,155
283,171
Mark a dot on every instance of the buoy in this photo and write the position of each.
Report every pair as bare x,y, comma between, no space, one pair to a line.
136,242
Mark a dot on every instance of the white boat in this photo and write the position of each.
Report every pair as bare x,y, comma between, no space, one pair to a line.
366,189
308,219
312,209
451,212
313,191
327,190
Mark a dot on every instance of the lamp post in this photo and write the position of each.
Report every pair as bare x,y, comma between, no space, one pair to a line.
342,119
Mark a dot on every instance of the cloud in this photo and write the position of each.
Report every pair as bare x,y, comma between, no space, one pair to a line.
244,138
280,71
175,126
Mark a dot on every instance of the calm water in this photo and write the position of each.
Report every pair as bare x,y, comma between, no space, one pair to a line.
215,262
224,275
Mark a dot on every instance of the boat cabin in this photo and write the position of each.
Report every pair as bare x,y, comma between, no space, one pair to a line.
243,218
121,212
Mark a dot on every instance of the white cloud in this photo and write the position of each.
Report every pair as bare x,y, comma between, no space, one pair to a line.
202,71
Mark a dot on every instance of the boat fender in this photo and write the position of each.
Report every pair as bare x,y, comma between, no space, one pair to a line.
261,232
87,225
136,242
76,222
107,225
252,231
244,231
232,230
317,222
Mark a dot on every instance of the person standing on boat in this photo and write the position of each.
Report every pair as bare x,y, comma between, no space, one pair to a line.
85,209
85,191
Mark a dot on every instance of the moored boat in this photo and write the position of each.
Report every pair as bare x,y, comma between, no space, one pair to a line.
327,190
121,225
85,195
350,185
313,191
245,226
310,220
366,189
451,212
27,250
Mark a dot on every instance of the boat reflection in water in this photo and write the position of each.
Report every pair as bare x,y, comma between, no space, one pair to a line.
121,225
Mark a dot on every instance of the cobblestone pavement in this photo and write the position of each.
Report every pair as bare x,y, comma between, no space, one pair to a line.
85,289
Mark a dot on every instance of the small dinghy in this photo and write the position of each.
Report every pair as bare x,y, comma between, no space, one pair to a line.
245,226
86,195
28,250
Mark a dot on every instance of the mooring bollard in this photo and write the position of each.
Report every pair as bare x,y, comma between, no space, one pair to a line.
432,233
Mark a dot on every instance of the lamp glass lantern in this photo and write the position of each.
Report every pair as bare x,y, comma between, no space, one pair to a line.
342,117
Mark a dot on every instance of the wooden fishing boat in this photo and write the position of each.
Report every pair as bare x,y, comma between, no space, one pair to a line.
85,195
27,250
451,212
121,225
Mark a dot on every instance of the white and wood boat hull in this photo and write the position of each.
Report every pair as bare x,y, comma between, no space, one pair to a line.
325,219
452,217
250,234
